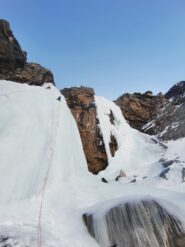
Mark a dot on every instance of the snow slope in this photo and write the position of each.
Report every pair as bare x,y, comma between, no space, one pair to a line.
45,186
139,156
40,148
135,150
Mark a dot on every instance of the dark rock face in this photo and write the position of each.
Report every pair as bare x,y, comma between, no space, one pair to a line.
180,240
142,224
13,65
113,145
177,93
139,108
11,54
81,102
169,122
33,74
161,115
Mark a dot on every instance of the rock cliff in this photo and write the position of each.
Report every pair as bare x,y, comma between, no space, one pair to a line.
139,108
13,61
176,93
160,115
81,102
169,122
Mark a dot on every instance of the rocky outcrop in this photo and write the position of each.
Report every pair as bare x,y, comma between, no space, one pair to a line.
143,224
81,102
151,114
160,115
32,74
139,108
176,93
169,122
11,54
13,61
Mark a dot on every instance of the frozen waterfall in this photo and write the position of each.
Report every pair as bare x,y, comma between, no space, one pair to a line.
143,223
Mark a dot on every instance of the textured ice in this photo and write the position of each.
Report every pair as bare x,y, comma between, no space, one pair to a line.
42,163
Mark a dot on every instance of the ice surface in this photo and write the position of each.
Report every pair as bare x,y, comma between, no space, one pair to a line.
42,163
139,155
143,223
39,141
135,155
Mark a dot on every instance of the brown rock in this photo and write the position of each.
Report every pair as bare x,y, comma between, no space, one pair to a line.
13,65
32,73
180,240
159,115
11,54
169,122
139,108
81,102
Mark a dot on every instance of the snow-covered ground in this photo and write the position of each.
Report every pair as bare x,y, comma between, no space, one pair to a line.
45,186
139,156
135,150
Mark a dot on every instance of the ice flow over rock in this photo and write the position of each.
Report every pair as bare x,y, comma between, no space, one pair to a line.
45,186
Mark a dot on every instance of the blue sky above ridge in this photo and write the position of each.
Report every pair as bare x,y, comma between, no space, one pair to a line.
114,46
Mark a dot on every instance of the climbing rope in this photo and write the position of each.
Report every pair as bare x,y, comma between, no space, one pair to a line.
53,141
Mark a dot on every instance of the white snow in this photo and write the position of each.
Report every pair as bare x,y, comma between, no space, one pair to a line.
138,155
135,154
42,164
39,142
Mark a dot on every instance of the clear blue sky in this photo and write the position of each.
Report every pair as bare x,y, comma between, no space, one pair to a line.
114,46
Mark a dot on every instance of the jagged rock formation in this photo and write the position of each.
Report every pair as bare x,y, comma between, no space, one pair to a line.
161,115
139,108
169,122
176,93
143,224
11,54
13,65
81,102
